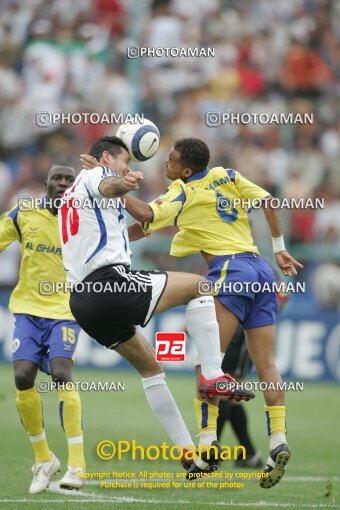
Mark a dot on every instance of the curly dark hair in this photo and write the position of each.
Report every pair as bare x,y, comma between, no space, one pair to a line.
194,153
112,144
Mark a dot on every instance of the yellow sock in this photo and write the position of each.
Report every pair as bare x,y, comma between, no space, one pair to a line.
70,416
276,419
30,409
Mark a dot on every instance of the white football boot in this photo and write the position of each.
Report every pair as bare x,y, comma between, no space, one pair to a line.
42,473
73,478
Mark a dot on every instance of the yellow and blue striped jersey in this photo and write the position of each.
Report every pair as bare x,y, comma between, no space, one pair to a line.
41,260
209,211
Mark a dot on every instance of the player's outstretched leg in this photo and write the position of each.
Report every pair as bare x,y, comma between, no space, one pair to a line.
200,315
30,409
236,360
140,355
204,330
207,411
260,343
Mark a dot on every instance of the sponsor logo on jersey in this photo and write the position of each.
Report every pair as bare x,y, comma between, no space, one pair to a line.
43,248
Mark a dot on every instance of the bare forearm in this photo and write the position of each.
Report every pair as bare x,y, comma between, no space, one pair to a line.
112,187
139,209
273,219
288,265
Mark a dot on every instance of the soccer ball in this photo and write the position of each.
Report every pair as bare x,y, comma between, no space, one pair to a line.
142,140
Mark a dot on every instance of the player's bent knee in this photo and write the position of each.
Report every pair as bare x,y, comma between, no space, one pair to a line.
199,286
61,370
24,379
61,376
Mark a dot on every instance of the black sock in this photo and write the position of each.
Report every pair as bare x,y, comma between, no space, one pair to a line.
223,416
239,422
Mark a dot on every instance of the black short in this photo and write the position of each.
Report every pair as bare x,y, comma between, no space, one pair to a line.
112,300
236,360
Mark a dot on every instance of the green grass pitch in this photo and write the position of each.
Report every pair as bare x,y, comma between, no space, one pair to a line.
312,478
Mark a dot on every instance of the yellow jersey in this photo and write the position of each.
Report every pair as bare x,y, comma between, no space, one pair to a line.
211,212
41,261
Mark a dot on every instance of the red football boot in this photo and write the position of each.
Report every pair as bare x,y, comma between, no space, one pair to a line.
224,385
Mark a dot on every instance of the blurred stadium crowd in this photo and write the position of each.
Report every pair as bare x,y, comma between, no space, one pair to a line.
71,56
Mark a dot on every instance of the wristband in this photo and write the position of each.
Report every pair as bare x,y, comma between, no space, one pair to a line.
278,244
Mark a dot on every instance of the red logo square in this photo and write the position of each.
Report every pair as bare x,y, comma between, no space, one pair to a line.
170,346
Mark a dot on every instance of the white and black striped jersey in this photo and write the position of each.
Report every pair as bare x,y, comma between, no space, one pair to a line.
92,228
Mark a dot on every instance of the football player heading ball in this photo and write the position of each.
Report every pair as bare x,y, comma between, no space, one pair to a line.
95,249
223,236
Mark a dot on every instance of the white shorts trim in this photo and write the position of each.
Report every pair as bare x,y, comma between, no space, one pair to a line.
158,282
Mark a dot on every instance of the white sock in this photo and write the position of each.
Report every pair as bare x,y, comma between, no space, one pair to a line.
197,362
200,463
165,408
200,316
277,439
206,438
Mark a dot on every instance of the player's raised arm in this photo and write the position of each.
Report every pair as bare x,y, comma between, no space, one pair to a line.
161,212
118,186
251,192
139,209
108,164
284,260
